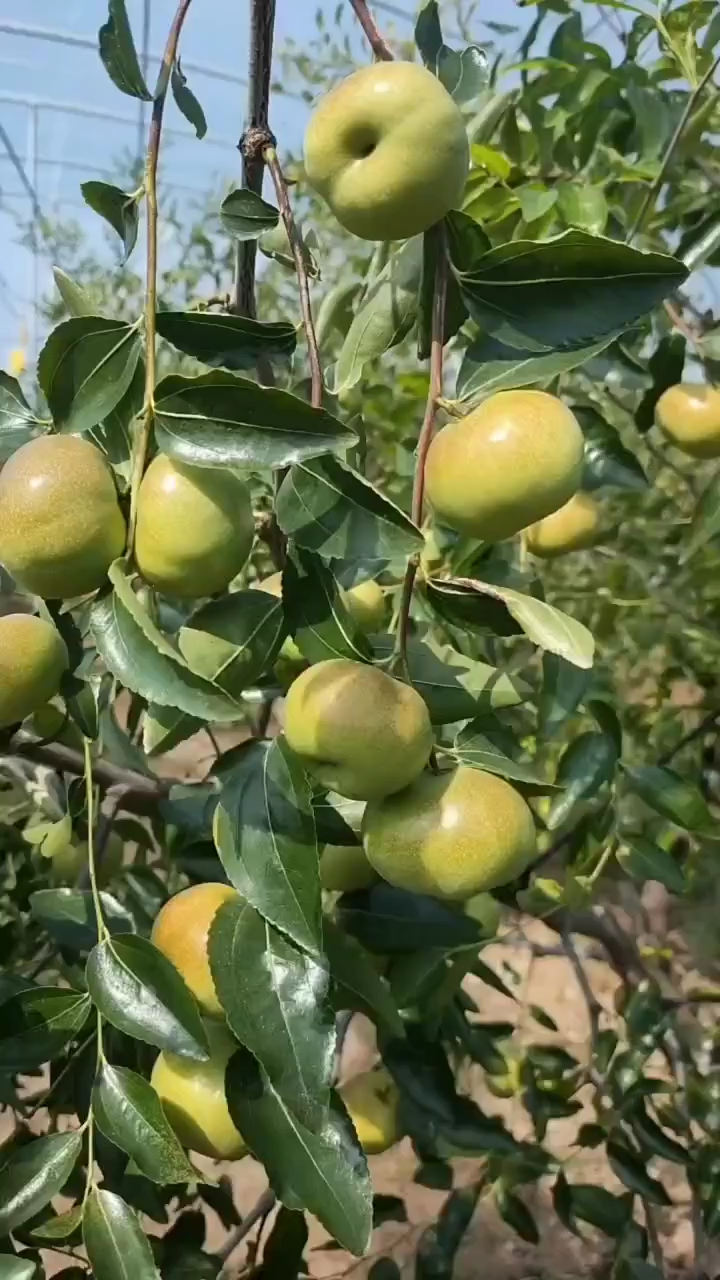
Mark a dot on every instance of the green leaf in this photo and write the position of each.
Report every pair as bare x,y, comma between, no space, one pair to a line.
142,659
117,1247
665,367
58,1227
607,461
564,687
390,921
593,1204
489,365
275,1000
630,1168
224,341
220,420
359,986
316,614
246,216
37,1024
33,1174
452,686
323,1171
483,744
654,1139
283,1253
535,200
264,832
77,301
13,1267
583,206
485,606
517,1215
386,314
706,520
642,860
114,435
428,34
586,765
18,423
68,916
141,993
464,74
701,244
438,1245
186,101
568,291
118,55
129,1112
116,207
85,368
327,507
671,796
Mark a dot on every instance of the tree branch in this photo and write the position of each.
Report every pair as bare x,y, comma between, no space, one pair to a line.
283,199
703,727
382,51
263,1207
141,794
256,136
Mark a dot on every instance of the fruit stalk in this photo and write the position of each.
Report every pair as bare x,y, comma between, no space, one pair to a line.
382,51
283,198
142,438
427,431
262,26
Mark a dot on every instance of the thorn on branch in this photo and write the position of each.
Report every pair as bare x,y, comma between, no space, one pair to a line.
254,141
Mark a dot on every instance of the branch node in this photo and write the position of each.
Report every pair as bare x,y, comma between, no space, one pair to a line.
254,141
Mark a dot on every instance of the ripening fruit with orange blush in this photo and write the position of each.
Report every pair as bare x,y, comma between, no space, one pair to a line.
689,415
181,931
575,527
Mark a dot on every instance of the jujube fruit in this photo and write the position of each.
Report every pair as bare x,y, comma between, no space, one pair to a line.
33,659
60,523
387,149
512,461
181,932
345,868
689,415
372,1100
194,1099
195,528
574,527
450,835
356,729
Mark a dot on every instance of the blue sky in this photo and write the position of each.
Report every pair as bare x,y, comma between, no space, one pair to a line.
70,148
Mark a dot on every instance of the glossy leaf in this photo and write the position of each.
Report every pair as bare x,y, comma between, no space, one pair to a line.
13,1267
118,208
85,368
483,606
569,291
129,1112
18,423
316,613
390,921
481,745
671,796
220,420
275,1000
118,54
385,317
186,101
327,507
607,461
665,367
593,1204
452,686
245,215
117,1247
68,916
490,365
225,341
564,687
33,1174
516,1213
630,1168
37,1024
264,832
643,860
114,434
284,1248
358,984
438,1245
141,993
323,1171
585,766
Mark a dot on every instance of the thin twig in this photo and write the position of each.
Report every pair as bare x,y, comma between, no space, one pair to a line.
236,1237
382,51
705,724
435,391
283,199
255,138
115,800
656,1252
141,793
654,189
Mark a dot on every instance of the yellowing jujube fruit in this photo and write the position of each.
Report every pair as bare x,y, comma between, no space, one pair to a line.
181,932
70,862
194,528
357,730
372,1101
387,149
512,461
344,868
689,415
60,523
194,1099
451,835
33,659
574,527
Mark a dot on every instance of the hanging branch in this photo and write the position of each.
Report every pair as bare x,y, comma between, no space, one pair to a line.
144,432
255,139
382,51
298,252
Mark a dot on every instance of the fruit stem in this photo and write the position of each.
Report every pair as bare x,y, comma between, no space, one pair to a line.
144,430
382,51
427,431
262,26
270,156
